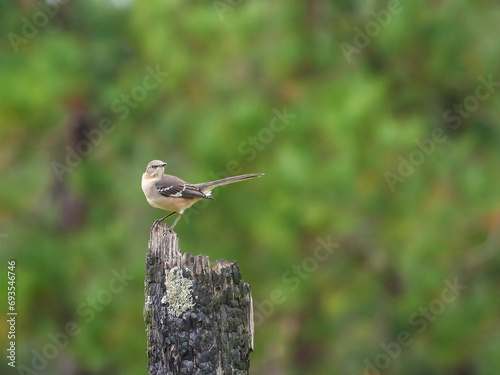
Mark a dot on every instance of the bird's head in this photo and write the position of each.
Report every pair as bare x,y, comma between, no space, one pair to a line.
155,168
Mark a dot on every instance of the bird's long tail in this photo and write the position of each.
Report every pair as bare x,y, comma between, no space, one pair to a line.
208,186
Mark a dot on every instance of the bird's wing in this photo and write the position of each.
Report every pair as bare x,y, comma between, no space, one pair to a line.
171,186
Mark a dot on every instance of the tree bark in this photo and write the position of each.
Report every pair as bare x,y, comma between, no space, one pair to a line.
199,316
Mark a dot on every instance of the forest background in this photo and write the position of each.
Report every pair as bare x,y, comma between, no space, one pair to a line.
371,244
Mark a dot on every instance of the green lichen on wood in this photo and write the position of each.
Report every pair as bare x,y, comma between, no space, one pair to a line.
148,314
179,292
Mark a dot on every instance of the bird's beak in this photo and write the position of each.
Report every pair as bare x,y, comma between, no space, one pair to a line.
164,164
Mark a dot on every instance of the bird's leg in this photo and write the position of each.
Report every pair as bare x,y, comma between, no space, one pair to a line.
158,221
176,220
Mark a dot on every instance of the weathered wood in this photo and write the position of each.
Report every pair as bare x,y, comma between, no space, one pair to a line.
199,316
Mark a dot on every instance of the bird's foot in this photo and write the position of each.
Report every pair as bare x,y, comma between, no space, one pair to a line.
155,224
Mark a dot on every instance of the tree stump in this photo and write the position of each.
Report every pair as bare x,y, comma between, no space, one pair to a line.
199,316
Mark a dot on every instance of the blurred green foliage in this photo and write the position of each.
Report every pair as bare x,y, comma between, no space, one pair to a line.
345,167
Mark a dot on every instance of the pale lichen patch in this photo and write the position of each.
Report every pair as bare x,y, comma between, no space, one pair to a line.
179,292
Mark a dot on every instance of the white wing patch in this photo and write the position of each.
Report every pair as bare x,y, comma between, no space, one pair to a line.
180,193
164,189
183,191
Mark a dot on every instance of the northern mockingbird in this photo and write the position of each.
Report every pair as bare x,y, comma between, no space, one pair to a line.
173,194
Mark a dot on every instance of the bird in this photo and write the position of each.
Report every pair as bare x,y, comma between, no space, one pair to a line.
171,193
